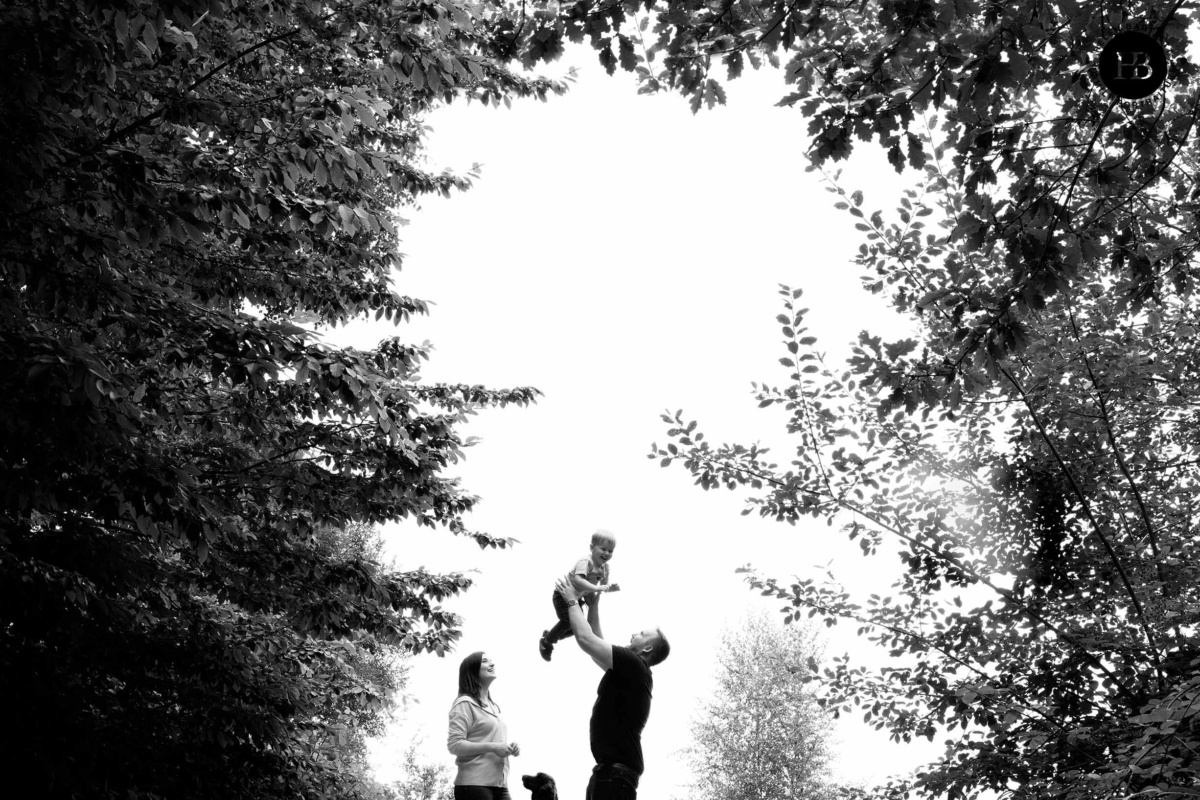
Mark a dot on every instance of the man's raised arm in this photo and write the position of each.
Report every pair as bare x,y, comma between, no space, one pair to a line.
586,630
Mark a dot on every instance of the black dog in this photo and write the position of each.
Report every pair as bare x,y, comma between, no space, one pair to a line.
541,785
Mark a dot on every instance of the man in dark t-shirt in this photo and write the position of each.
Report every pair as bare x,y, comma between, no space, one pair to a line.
622,700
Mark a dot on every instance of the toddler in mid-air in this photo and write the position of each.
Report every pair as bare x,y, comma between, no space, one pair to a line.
590,576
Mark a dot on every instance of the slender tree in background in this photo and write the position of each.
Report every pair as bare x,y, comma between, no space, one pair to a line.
181,179
422,780
1032,453
762,735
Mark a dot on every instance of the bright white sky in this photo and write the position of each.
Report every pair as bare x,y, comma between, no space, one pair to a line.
623,256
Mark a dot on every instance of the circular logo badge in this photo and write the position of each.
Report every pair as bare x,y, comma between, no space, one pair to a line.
1133,65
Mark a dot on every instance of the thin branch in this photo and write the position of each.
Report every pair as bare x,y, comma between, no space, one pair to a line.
1136,193
1085,506
948,558
139,122
1124,467
1075,181
924,641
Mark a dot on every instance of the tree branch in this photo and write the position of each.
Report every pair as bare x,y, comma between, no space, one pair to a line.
139,122
950,559
1086,507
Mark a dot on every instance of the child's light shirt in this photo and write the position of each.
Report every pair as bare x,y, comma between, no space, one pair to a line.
591,572
472,722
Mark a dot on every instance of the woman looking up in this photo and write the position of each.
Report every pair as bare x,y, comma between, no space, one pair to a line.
478,737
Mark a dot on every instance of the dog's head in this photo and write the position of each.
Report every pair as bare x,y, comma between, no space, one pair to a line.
541,786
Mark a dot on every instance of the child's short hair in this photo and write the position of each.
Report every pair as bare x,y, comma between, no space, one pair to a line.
602,536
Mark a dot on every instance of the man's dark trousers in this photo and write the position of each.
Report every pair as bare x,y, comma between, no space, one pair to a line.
612,782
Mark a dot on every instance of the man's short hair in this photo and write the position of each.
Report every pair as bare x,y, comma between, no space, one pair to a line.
660,650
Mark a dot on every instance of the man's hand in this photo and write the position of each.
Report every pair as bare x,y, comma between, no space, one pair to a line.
587,631
567,589
614,587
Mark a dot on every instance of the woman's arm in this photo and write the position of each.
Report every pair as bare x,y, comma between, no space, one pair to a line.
466,748
457,741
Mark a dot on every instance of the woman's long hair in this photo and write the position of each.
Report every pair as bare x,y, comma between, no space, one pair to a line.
468,677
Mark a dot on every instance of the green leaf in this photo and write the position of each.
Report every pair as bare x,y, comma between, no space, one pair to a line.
714,95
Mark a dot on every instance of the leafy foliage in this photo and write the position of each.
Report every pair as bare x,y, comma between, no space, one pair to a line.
1048,604
762,734
422,780
382,669
183,179
1032,452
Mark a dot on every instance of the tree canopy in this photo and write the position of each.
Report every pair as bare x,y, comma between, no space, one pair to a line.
185,182
1032,453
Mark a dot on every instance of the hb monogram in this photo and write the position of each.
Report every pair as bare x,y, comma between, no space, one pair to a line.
1132,65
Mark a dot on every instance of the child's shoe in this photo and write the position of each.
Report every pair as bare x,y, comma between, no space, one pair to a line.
545,646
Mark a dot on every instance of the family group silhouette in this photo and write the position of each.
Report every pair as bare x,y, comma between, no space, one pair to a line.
478,737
